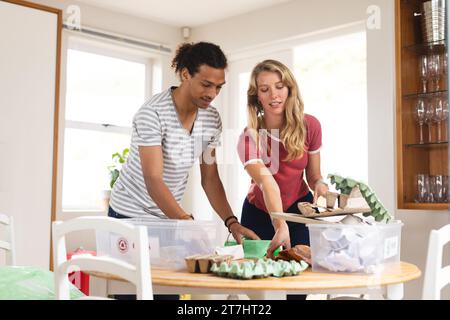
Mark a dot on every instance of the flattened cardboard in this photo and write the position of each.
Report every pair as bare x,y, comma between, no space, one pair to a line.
295,217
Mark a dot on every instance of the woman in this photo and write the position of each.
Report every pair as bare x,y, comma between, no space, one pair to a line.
280,143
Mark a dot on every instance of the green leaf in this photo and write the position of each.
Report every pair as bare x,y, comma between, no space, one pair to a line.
114,176
115,155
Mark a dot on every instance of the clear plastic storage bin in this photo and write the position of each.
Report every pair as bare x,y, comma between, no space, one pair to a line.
354,248
170,241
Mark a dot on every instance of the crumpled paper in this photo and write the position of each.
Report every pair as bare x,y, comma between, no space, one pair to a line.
348,250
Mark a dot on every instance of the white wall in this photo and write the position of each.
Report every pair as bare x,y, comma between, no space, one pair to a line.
303,17
122,24
27,110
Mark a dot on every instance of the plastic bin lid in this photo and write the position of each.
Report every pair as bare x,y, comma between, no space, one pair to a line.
392,224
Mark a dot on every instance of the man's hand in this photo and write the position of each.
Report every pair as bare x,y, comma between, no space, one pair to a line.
238,231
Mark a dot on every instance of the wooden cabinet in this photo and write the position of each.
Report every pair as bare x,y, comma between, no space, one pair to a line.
429,157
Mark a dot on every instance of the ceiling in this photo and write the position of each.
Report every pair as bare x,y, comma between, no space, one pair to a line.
182,13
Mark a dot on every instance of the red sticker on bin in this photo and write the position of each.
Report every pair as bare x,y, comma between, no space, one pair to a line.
122,244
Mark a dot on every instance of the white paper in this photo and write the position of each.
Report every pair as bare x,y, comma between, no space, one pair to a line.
236,251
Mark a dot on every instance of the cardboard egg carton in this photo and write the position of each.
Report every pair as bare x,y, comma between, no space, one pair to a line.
335,204
201,263
354,197
352,187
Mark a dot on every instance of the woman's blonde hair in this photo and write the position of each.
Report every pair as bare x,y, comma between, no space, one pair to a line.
293,135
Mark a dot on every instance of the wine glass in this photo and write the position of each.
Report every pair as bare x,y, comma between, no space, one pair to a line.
429,116
424,72
419,116
438,114
434,68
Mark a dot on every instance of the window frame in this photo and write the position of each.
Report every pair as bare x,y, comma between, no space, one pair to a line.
112,49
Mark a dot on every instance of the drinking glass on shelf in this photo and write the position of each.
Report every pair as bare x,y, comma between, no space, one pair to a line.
424,74
419,116
429,116
422,187
438,114
438,192
431,194
445,187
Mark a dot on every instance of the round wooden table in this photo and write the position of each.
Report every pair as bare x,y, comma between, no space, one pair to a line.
389,283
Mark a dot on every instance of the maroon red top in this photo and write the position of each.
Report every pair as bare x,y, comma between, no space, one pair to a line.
287,174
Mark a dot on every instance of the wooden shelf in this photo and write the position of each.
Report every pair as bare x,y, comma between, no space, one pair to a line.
426,206
436,47
441,144
417,95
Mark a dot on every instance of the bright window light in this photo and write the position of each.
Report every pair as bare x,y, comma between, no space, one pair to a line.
331,75
100,90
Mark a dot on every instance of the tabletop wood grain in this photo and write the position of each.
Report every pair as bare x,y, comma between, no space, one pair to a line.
307,280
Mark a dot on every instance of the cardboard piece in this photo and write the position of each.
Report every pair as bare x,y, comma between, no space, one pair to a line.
295,217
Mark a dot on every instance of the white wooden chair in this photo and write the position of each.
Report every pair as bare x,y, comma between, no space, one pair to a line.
436,276
139,274
7,243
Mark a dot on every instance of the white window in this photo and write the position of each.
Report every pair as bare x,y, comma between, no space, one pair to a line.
104,91
331,75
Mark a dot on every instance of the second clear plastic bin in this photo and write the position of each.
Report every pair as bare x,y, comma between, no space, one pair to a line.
354,248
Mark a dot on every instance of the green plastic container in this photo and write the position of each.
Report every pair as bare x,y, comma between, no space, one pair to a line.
253,249
30,283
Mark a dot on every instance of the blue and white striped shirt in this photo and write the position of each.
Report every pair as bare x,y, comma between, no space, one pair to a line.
157,124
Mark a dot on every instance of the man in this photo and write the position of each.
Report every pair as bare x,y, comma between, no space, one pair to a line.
170,131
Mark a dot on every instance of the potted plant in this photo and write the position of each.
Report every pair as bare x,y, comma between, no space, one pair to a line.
118,159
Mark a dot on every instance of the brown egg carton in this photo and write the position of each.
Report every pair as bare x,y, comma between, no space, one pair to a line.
297,253
201,263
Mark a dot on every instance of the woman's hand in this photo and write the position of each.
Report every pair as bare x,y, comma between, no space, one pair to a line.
238,231
320,189
281,238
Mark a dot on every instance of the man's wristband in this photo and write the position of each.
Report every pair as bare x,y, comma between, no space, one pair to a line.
232,222
227,219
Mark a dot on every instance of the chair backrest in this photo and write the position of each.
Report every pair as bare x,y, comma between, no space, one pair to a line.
138,273
7,243
436,276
